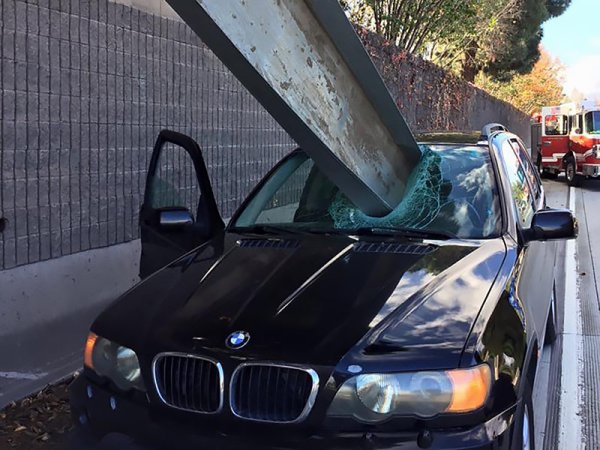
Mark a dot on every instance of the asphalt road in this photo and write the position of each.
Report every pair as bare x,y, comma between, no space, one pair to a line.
568,382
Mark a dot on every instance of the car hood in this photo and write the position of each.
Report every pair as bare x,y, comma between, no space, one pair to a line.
312,300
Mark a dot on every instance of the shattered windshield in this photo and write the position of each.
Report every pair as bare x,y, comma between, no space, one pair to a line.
592,122
452,191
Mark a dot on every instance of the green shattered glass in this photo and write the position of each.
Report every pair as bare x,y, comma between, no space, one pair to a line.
421,204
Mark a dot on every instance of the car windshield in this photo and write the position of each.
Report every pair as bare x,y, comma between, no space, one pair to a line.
451,193
592,122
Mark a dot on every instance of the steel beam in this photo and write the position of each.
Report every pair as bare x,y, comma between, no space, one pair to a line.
304,63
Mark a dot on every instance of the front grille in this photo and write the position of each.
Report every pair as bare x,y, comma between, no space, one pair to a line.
189,382
273,393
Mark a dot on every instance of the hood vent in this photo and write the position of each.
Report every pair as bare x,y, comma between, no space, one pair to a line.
269,243
393,247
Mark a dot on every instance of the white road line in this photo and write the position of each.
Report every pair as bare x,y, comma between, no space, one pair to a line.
572,364
540,395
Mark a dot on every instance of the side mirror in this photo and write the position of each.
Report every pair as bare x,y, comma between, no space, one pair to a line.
552,225
175,218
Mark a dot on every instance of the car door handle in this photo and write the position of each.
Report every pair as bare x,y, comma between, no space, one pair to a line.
547,144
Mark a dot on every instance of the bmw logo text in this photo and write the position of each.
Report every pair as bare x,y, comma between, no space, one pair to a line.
237,339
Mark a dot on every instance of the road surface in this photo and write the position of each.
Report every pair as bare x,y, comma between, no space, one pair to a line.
568,381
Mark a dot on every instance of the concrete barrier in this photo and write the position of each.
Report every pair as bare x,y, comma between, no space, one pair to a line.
46,309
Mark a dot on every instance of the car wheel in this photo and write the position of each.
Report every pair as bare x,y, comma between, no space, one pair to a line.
540,167
524,433
545,173
571,172
551,322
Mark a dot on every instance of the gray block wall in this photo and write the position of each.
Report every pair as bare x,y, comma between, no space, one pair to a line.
85,88
86,85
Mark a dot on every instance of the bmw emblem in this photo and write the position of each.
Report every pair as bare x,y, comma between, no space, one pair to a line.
237,339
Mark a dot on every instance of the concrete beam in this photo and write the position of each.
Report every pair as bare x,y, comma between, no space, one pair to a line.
305,64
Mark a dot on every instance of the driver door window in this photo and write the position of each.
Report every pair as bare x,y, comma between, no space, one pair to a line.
530,171
517,175
298,193
284,203
175,184
179,212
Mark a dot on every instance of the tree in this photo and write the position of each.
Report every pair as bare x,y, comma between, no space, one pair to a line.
410,24
467,48
529,92
504,38
518,49
500,37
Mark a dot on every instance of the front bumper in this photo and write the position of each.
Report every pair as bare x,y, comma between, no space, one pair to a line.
591,170
121,423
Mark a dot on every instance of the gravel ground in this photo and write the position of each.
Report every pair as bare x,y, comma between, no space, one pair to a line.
41,421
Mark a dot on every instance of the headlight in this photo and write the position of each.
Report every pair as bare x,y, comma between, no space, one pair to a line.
596,150
113,361
376,397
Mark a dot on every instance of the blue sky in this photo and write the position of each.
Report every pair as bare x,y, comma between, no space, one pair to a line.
574,37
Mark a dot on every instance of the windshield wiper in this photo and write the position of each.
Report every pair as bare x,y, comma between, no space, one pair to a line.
404,232
362,231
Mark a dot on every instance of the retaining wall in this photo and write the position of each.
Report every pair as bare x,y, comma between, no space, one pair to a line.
431,99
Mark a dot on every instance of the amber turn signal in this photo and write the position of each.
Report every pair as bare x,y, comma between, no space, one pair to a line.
470,388
89,350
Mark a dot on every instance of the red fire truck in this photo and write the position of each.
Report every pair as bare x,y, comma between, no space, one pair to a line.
570,141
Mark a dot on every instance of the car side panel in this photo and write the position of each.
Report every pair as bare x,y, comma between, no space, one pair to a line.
503,331
511,323
536,281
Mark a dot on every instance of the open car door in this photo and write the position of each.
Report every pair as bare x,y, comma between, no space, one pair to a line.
179,212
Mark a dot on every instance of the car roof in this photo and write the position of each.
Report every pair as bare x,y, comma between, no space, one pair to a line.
449,137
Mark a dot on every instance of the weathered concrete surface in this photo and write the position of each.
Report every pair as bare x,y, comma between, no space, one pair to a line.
46,309
319,84
156,7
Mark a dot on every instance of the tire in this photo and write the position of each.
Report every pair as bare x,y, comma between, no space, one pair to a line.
524,432
571,172
545,173
540,167
550,337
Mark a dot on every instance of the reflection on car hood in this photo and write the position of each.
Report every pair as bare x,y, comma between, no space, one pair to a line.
313,300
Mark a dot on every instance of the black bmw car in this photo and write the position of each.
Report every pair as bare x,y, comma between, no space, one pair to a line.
305,323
